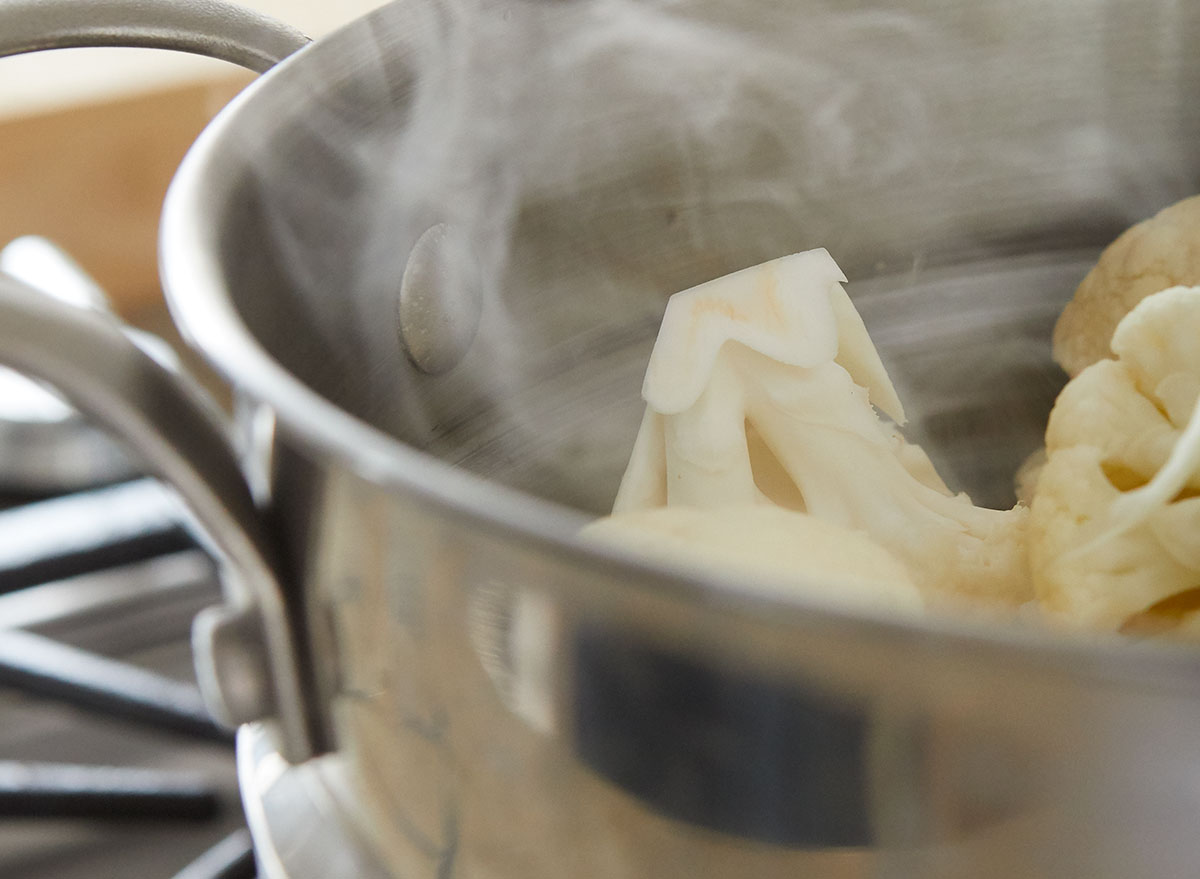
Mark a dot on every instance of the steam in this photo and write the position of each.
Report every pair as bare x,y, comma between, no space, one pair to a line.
647,144
601,156
590,157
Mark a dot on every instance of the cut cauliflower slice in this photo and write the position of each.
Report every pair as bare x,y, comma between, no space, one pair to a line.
1161,252
1115,530
760,390
776,547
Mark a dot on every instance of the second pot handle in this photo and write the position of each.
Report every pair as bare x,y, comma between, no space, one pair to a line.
100,370
200,27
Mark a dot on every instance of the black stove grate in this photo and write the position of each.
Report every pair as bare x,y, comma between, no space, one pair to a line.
79,568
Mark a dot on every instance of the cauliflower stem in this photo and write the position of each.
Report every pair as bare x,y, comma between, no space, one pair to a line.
762,389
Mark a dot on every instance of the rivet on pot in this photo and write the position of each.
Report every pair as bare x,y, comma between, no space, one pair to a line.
231,665
440,301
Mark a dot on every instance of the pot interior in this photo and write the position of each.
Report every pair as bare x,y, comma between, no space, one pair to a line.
963,163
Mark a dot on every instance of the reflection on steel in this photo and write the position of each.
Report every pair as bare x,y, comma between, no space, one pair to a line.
303,818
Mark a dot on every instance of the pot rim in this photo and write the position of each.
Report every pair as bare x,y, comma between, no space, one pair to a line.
201,306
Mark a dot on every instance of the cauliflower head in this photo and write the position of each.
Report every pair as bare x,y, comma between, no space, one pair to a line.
780,549
762,389
1115,519
1161,252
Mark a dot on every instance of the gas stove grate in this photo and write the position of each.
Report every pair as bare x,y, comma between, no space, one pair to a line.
95,657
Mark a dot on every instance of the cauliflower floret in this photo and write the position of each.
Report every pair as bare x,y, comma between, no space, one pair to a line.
1102,406
1160,350
760,390
1115,530
1160,252
1026,478
1100,584
778,547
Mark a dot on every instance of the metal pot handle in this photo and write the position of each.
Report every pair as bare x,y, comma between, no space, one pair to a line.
200,27
248,661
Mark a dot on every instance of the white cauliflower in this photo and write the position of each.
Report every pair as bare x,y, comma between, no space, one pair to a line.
1115,523
1161,252
781,548
1026,478
760,390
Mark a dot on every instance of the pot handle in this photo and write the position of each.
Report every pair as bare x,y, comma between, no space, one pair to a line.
102,371
248,661
200,27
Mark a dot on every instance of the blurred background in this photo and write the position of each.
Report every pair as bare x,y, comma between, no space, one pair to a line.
89,139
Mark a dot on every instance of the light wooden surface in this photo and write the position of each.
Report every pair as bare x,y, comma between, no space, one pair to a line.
92,178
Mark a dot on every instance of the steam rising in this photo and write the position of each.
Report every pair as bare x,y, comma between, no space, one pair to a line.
591,157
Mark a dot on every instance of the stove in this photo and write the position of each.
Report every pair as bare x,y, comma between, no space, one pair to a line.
106,767
109,762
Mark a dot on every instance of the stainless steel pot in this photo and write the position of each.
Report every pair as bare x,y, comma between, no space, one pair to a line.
436,325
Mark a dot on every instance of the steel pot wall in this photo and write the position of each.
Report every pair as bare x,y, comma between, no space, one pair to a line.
514,703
